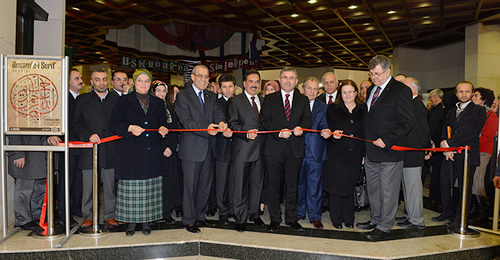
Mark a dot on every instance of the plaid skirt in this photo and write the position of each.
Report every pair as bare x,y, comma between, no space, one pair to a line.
139,201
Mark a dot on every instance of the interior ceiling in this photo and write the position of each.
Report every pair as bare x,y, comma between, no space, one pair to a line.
325,33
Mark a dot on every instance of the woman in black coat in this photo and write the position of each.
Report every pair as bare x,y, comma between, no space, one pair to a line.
139,167
172,181
342,169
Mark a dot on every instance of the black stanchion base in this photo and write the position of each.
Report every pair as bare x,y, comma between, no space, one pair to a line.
91,231
38,232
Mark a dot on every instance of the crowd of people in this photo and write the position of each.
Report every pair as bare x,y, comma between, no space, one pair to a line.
223,161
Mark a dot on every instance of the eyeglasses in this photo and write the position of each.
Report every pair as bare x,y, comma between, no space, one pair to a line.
350,92
119,79
202,76
286,78
376,74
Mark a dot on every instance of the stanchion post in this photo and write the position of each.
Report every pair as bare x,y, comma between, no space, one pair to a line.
95,188
463,231
50,193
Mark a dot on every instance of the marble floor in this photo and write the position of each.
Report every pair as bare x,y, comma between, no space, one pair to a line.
433,242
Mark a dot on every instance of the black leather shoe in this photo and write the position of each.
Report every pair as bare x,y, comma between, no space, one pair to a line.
146,231
408,224
223,220
30,225
400,219
295,225
192,228
337,225
169,220
440,218
376,235
130,233
211,212
273,226
240,227
258,221
366,225
203,223
349,225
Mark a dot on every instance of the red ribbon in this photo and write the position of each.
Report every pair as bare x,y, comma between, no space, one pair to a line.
78,144
42,223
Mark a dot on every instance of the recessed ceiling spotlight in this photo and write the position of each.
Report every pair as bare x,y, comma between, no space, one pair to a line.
76,8
426,17
312,1
391,12
295,15
353,7
366,24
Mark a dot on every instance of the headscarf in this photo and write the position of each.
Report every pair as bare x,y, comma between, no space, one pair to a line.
273,84
142,71
155,84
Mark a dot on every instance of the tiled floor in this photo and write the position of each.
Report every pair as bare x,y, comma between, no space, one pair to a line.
328,242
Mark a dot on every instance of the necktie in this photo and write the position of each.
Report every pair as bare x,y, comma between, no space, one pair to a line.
330,99
255,109
287,107
375,97
200,94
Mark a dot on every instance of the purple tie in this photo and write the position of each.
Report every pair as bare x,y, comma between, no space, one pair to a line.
375,97
287,107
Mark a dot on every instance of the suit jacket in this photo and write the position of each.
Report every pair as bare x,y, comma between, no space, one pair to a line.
92,116
35,166
194,145
242,117
223,143
138,157
272,116
314,140
465,129
419,136
390,119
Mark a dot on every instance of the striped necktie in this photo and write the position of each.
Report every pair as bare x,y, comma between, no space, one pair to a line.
200,94
287,107
375,97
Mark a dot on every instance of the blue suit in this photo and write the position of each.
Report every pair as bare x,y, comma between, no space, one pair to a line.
311,178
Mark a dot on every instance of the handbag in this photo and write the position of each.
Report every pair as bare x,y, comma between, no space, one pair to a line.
360,191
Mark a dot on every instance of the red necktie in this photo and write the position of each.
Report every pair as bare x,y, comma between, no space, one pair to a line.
330,99
254,105
287,107
375,97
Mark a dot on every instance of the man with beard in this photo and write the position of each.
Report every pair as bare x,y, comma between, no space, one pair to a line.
90,122
466,120
288,111
119,81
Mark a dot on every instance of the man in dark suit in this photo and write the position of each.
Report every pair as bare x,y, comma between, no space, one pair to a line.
418,137
119,80
243,115
388,121
75,84
437,117
224,179
285,110
466,120
90,122
311,178
330,84
197,108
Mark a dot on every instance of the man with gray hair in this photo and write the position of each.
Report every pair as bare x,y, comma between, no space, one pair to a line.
418,137
388,121
437,117
330,85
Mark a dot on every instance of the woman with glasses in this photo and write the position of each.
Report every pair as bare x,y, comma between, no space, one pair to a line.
141,120
342,169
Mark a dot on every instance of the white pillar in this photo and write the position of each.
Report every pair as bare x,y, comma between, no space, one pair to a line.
49,36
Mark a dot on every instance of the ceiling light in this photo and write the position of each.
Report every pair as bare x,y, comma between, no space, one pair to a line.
426,17
391,12
366,24
353,7
312,1
76,8
295,15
